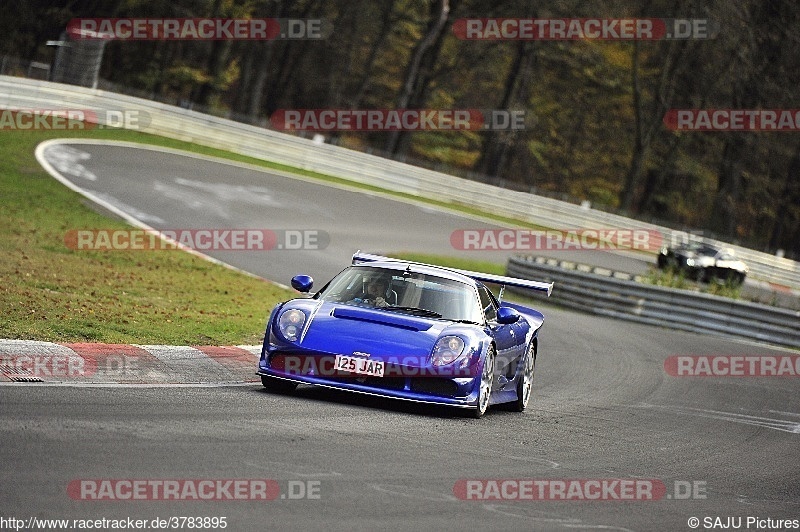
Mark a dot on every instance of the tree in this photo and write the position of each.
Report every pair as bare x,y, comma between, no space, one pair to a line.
422,60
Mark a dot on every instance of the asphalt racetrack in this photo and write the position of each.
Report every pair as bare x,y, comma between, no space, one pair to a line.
604,412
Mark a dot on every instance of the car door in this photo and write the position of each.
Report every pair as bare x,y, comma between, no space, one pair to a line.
506,336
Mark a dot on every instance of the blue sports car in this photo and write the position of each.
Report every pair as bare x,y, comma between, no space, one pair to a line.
406,330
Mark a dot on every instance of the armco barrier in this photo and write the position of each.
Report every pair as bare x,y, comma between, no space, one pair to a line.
260,143
628,299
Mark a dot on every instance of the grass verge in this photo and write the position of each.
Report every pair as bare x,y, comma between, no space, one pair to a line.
673,278
50,292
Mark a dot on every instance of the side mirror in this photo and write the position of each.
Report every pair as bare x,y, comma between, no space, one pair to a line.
507,315
302,283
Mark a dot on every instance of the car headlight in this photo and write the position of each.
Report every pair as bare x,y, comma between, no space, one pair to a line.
447,350
291,323
690,262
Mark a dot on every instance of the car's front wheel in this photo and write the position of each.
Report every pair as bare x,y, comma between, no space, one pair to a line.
485,389
525,382
278,385
702,275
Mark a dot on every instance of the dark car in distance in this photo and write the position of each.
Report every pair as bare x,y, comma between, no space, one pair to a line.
704,262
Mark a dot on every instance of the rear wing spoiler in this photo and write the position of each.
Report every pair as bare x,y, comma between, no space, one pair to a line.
360,258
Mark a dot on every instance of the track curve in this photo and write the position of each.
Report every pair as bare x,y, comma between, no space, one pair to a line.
603,405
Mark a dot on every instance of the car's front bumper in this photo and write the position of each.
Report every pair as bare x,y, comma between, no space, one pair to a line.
411,384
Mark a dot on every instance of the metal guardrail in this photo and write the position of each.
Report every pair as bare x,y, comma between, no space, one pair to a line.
608,295
191,126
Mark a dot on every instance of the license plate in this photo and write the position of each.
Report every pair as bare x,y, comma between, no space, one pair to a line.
361,366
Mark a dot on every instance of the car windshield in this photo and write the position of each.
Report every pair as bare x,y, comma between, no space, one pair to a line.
707,251
699,248
408,292
691,246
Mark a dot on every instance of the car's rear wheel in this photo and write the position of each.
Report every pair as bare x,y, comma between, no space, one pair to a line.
525,382
485,389
278,385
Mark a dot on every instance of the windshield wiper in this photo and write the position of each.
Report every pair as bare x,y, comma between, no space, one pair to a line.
416,311
470,322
